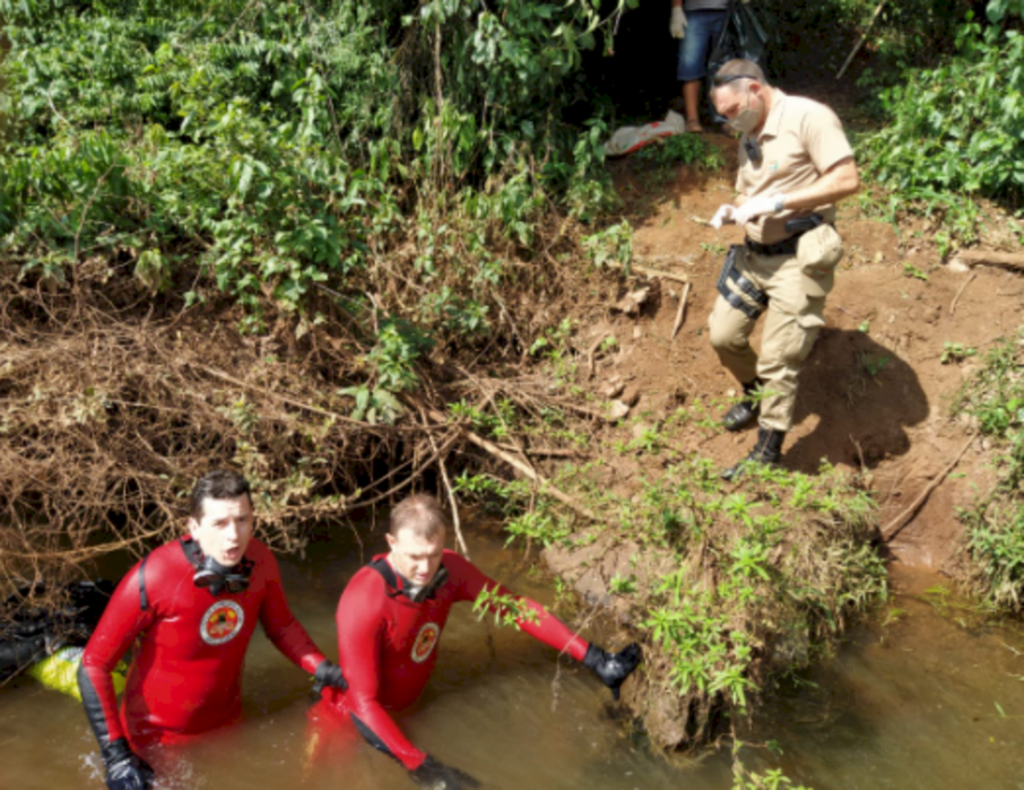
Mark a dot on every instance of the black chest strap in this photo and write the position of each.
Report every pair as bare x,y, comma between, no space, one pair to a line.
392,589
143,598
383,567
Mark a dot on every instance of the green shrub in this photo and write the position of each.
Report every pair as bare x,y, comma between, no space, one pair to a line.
958,128
994,397
956,131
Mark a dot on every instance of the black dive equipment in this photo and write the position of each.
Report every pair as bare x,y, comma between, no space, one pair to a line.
408,589
211,574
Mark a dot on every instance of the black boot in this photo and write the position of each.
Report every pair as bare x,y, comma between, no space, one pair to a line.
768,450
744,413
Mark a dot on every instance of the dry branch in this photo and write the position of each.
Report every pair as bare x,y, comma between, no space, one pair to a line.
681,312
969,258
952,305
451,501
515,463
860,43
287,399
894,527
545,452
660,274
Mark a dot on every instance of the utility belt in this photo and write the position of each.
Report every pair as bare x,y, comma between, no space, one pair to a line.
797,227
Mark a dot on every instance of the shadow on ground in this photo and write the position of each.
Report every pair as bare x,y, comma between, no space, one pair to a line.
865,397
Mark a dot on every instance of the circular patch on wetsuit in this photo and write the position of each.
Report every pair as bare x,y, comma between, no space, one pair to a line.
425,641
221,623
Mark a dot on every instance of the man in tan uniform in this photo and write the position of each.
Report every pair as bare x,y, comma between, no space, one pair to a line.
794,164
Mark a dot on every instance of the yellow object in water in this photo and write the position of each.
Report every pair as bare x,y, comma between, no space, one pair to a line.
60,672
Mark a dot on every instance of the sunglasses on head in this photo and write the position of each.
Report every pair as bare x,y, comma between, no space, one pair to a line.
724,79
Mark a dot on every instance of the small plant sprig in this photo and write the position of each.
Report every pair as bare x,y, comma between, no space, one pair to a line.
910,270
956,352
508,609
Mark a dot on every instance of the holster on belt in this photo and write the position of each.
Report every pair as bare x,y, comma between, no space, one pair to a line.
798,226
731,273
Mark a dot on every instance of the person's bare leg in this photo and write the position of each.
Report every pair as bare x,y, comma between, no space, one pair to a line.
691,100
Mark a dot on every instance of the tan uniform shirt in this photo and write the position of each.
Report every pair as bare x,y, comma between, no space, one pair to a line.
801,139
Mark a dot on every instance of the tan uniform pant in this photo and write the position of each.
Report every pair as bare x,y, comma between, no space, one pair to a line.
790,329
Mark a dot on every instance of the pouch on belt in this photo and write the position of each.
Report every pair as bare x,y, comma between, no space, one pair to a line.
819,252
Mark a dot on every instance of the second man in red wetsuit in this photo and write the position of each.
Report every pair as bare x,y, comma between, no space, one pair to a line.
390,619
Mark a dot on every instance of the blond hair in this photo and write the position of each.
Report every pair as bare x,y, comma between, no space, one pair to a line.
421,513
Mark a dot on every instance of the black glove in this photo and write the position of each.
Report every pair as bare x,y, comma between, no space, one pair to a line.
612,668
433,775
328,674
125,769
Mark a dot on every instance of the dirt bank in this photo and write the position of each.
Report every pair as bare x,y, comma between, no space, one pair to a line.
875,393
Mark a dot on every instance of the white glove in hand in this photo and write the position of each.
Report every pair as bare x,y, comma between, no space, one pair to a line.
677,27
755,207
725,213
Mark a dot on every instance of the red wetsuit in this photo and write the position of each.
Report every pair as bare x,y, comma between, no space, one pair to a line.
388,646
185,678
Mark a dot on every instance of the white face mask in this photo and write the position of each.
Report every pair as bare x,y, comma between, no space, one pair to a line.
747,119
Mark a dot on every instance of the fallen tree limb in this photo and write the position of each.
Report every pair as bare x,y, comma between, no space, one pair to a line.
681,312
680,278
515,463
85,553
219,374
451,499
897,524
952,305
593,414
435,455
649,272
969,258
860,43
546,452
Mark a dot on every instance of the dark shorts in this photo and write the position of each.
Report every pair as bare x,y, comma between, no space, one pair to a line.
703,28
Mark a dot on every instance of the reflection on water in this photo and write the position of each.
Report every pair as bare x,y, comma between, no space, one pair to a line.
923,703
913,705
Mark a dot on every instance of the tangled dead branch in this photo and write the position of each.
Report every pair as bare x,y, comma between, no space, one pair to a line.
109,416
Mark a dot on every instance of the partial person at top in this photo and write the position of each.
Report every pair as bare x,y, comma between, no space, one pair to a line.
390,619
697,23
193,604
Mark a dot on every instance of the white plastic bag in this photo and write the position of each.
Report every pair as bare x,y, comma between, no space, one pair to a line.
628,139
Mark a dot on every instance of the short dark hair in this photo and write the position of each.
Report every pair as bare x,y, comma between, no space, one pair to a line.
218,484
420,512
736,71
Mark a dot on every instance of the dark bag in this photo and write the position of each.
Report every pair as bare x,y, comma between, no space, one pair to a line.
744,35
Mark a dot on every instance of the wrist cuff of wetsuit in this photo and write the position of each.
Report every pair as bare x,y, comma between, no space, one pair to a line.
115,750
779,201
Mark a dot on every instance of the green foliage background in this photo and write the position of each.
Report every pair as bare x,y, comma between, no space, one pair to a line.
282,151
954,130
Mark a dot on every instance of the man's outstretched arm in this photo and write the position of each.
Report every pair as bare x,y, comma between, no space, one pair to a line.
290,637
611,668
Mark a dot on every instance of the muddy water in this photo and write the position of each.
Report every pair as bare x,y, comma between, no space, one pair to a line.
920,703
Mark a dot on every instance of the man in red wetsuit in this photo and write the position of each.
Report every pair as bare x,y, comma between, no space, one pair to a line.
193,604
390,619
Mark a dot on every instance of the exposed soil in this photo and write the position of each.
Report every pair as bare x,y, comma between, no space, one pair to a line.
874,395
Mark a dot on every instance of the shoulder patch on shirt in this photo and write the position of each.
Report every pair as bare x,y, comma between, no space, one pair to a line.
424,643
221,622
